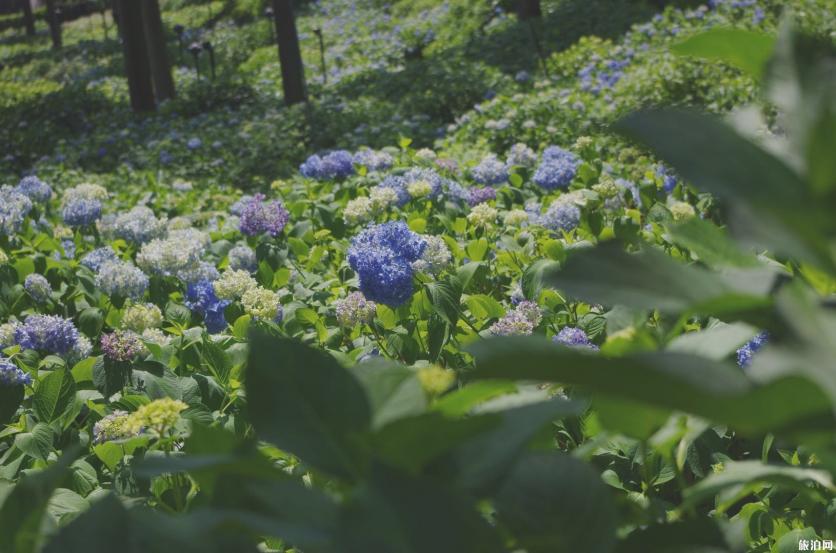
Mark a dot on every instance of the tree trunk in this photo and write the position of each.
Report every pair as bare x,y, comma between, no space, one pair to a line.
157,51
290,57
527,9
137,67
28,19
54,24
114,11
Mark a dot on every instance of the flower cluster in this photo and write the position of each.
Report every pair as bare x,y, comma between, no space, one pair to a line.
259,217
746,352
158,416
38,288
354,309
141,316
242,258
48,333
82,212
120,278
37,190
121,345
557,168
373,160
490,171
111,427
203,270
138,226
573,337
436,256
201,299
382,256
262,304
85,191
170,256
14,207
98,257
333,165
480,194
522,320
521,155
7,334
561,215
482,215
11,375
233,284
436,380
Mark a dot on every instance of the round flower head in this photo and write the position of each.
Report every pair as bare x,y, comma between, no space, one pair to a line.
520,321
436,380
682,211
242,258
521,155
515,218
396,184
98,257
490,171
111,427
202,270
11,375
423,176
382,256
436,256
383,197
262,304
156,336
748,350
557,168
38,288
233,284
80,351
201,299
354,309
530,311
358,210
158,416
334,165
36,189
7,334
260,217
170,256
84,191
120,278
561,215
141,316
373,160
482,215
573,337
14,207
138,226
82,212
425,154
419,189
122,345
48,333
480,194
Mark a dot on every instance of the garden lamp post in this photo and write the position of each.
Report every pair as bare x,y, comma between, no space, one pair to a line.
179,30
194,50
268,13
208,47
318,33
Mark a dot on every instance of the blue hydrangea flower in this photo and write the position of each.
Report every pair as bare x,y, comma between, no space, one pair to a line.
557,168
38,288
480,194
139,225
425,175
14,207
122,279
398,184
373,160
333,165
561,215
82,212
382,256
242,258
574,337
490,171
36,189
748,350
669,179
260,217
48,333
69,248
11,375
98,257
194,143
201,299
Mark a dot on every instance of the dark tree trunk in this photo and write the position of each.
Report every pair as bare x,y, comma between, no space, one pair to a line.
290,57
117,20
157,52
28,19
54,24
137,67
526,9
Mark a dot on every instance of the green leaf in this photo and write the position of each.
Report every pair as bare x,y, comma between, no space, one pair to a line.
10,399
745,474
717,343
303,401
746,50
445,297
104,527
65,505
392,391
716,391
651,279
553,503
37,443
769,203
485,459
461,401
24,508
692,536
709,243
411,443
53,395
395,512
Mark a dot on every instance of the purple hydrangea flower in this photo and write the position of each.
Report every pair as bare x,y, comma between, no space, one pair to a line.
480,194
748,350
561,215
490,171
48,333
557,168
36,189
259,217
573,337
11,375
333,165
121,345
82,212
38,288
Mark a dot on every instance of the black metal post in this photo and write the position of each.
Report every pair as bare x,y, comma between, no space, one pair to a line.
194,50
208,47
318,33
